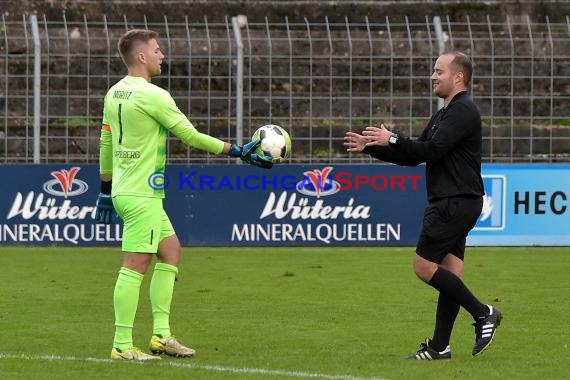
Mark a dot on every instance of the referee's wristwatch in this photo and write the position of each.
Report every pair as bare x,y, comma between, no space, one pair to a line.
393,139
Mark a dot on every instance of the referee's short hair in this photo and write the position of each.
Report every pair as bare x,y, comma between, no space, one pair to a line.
462,63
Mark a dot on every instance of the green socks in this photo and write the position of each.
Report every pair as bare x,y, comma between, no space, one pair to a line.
161,289
126,300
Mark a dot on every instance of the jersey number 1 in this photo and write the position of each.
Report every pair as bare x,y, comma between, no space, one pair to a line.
120,125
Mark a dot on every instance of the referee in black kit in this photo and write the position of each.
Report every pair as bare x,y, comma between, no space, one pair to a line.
450,146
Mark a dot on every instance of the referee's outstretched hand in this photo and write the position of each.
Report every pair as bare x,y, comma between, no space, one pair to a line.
377,135
355,142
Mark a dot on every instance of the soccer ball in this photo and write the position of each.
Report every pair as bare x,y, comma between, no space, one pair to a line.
275,141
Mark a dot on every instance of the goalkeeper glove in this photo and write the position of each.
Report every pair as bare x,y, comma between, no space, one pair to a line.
247,154
105,210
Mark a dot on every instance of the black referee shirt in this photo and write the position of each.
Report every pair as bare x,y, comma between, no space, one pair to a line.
450,145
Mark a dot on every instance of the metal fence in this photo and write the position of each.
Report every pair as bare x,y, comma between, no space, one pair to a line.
318,80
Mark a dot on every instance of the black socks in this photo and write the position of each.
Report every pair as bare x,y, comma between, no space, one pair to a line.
452,287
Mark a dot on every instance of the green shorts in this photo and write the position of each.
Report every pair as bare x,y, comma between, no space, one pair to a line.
145,223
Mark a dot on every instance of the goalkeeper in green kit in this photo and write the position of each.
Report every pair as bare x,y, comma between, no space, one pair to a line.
137,117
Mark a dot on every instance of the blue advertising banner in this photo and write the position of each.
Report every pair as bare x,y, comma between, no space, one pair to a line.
289,205
524,205
52,204
225,205
344,205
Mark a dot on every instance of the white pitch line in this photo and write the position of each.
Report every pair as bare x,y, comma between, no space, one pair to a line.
216,368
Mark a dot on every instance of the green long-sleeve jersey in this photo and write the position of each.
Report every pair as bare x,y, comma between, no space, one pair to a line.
137,116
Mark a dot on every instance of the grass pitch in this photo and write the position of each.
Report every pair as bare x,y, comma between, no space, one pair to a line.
266,313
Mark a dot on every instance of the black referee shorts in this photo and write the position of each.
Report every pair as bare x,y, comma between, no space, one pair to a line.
447,222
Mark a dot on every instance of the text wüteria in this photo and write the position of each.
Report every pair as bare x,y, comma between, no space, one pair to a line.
37,207
289,206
